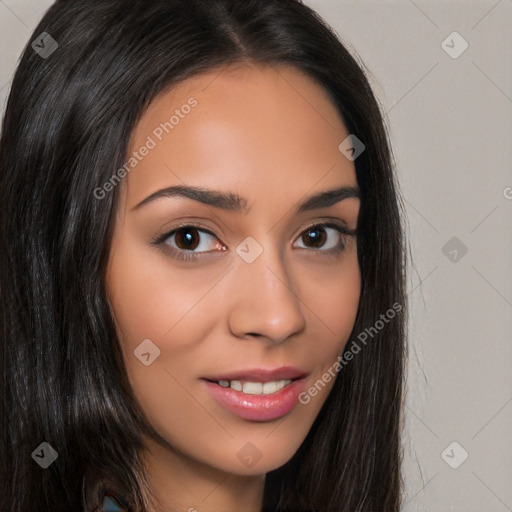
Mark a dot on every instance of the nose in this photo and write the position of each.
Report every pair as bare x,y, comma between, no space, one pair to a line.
265,302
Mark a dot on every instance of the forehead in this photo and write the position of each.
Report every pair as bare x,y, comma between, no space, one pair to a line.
260,128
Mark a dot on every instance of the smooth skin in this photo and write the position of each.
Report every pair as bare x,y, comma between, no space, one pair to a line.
271,136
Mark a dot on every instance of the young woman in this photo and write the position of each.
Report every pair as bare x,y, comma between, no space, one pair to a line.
202,265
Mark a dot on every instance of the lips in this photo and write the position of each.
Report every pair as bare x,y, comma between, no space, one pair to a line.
257,394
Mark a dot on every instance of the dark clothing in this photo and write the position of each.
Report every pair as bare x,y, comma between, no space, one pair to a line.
111,503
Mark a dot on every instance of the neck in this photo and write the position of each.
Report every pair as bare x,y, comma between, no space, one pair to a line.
179,483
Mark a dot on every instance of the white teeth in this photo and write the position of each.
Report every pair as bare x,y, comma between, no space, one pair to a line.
236,385
269,387
280,384
255,388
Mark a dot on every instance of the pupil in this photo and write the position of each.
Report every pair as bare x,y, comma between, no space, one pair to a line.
316,237
187,238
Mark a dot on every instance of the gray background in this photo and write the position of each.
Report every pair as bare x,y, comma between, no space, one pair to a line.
450,122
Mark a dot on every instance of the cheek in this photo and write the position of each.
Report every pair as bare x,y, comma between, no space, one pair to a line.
150,299
333,299
340,303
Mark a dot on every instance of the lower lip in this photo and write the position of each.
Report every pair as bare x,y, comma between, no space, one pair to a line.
258,407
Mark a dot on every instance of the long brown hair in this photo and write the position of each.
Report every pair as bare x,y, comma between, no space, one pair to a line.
66,130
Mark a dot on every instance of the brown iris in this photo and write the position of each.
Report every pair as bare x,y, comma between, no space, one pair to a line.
186,238
314,237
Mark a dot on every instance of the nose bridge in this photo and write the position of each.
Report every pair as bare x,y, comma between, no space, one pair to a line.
266,302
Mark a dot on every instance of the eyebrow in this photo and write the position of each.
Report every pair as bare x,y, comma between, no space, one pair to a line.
233,202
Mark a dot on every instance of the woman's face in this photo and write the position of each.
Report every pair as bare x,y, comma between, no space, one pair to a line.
229,276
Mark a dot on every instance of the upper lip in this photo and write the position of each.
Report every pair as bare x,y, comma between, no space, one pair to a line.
261,374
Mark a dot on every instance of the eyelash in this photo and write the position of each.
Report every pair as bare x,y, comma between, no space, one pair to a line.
160,240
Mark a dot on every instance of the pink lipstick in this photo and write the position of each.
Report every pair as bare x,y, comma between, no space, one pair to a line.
258,394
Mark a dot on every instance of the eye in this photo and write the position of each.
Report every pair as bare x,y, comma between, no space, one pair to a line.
188,242
189,239
323,237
